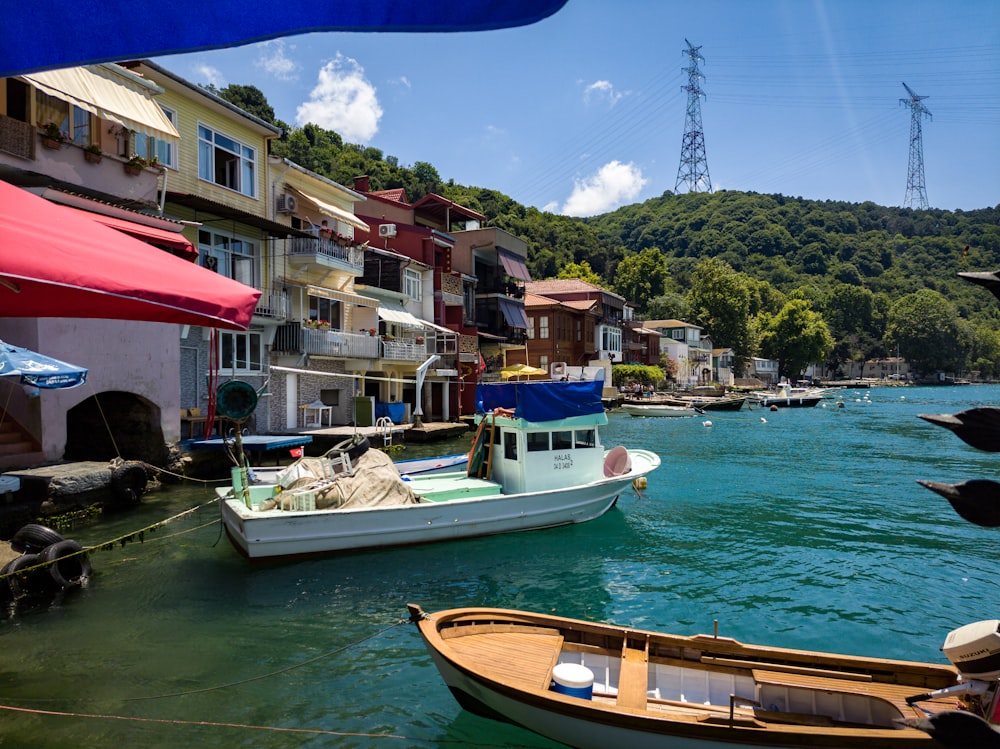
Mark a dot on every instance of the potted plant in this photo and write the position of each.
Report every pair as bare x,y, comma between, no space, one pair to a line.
419,339
372,331
135,165
92,153
52,136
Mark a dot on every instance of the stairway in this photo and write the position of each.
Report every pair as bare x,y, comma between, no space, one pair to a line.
17,448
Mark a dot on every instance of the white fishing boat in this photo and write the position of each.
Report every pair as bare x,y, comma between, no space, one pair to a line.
594,686
537,461
657,409
788,396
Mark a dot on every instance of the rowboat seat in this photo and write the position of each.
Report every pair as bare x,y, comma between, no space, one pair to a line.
634,678
893,694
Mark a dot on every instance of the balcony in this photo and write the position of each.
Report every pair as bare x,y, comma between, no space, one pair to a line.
326,253
404,350
273,304
340,343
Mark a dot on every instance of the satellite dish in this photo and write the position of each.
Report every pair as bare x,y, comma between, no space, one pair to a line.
236,400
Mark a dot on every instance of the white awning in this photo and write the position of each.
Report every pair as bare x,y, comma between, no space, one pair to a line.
400,316
117,96
331,210
343,296
438,328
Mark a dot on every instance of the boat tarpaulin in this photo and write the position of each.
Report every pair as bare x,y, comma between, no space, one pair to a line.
542,401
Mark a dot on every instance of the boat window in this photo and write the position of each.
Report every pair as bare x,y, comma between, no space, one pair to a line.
586,438
538,441
562,440
510,445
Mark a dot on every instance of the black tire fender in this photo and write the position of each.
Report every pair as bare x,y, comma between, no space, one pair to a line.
68,565
34,537
128,484
22,584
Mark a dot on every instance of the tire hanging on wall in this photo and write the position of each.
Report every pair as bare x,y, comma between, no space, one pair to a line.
128,484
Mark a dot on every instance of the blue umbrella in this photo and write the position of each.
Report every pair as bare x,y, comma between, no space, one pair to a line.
38,370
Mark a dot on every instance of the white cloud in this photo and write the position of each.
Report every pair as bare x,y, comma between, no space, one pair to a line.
613,184
276,62
343,100
209,75
602,90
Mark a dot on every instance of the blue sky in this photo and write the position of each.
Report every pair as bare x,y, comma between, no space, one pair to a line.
583,112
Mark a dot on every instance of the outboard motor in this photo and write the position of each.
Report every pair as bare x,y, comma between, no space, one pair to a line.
974,649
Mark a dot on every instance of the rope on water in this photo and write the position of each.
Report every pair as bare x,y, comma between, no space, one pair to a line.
126,538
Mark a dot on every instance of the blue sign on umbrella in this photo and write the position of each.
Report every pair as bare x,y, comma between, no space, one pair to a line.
38,370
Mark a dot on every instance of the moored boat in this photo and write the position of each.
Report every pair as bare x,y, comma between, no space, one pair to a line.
436,464
536,462
595,686
789,397
656,409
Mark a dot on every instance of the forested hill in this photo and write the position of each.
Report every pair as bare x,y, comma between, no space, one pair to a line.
858,267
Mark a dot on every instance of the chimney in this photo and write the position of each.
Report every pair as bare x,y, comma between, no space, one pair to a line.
361,183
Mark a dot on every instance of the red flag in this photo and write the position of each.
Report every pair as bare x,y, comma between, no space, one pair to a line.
482,364
296,452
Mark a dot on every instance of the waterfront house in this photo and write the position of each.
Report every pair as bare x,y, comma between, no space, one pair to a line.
686,344
70,136
611,309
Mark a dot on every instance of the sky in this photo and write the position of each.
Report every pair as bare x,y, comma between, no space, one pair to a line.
585,111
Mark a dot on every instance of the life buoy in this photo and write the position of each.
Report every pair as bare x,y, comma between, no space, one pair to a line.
69,566
128,484
33,537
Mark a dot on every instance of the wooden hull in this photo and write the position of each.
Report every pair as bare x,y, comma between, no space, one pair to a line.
276,533
673,692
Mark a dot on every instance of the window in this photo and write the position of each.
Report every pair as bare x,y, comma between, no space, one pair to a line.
411,283
537,441
562,440
677,335
543,362
229,256
240,352
75,123
579,330
226,162
510,445
469,300
149,147
321,308
543,326
586,438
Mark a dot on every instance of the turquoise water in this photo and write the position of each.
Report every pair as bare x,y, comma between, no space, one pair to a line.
806,529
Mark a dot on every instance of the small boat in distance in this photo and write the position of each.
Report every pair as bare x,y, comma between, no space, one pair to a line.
595,686
536,462
656,409
786,396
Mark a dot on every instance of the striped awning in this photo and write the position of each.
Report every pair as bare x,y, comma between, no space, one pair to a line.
513,313
331,210
342,296
111,93
513,265
400,316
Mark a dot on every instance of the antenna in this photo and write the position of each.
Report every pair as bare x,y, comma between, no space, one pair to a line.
916,190
693,169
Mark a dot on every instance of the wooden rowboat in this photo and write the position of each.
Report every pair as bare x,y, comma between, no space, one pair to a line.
680,692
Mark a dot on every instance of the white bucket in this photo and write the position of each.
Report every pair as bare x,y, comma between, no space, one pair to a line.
573,680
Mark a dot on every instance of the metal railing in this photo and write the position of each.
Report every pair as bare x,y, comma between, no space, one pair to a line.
351,255
340,343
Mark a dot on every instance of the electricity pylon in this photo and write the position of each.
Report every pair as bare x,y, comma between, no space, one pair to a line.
693,169
916,190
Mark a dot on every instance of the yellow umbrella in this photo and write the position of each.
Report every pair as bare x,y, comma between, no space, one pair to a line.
521,370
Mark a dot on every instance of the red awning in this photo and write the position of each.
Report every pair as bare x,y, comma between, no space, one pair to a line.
160,237
55,262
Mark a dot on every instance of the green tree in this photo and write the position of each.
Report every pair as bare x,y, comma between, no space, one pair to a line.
581,270
796,337
924,328
250,99
720,301
641,277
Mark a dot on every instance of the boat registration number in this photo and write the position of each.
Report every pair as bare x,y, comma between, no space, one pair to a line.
562,461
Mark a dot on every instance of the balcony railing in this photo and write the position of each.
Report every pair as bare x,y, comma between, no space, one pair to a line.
351,256
274,304
404,350
340,343
17,138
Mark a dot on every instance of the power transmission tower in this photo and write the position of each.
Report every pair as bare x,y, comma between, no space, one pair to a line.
916,190
693,169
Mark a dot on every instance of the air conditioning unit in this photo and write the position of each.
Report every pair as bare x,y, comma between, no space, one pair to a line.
387,230
287,203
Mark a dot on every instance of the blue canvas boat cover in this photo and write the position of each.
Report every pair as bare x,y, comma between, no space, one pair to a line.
542,401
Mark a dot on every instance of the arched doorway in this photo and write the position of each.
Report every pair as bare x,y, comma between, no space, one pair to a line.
115,423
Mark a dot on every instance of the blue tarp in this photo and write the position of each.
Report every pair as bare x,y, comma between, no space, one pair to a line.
38,370
542,401
91,31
